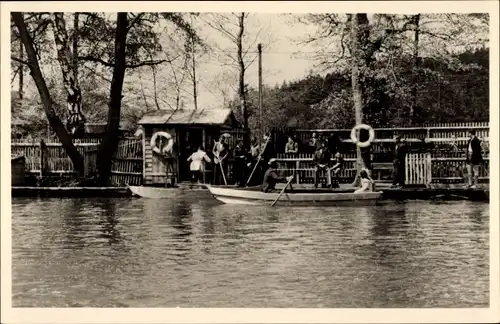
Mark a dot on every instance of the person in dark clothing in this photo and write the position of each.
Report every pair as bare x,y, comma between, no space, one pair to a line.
271,177
240,164
311,147
334,143
298,142
337,168
322,159
268,152
399,156
474,159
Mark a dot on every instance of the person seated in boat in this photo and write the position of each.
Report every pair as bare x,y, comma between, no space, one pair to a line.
271,177
291,147
336,169
197,165
366,182
322,158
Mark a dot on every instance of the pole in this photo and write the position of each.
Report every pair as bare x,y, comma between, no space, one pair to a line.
261,126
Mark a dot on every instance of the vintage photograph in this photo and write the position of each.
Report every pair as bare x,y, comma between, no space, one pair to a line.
250,160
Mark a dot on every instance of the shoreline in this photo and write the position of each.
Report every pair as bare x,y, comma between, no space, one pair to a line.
406,193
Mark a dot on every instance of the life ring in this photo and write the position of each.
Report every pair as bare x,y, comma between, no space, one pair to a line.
356,141
167,149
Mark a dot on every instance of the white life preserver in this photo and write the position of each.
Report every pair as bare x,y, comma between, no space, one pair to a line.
167,149
356,141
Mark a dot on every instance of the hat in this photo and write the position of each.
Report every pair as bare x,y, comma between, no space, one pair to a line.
273,162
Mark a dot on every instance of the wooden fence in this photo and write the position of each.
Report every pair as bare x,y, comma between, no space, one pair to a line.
421,168
444,137
50,159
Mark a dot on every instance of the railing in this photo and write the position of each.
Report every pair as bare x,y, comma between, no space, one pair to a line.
453,134
420,168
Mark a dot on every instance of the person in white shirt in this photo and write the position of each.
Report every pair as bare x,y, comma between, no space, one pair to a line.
197,165
366,182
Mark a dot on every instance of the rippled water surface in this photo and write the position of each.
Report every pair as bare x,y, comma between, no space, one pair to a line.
168,253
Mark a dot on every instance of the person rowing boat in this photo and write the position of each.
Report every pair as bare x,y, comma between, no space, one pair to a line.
271,177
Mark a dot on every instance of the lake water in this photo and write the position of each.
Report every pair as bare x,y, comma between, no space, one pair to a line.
167,253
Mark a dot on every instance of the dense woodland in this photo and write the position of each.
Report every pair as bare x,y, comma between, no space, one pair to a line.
385,70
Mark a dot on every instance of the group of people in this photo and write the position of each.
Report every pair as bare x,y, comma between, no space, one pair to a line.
294,145
244,160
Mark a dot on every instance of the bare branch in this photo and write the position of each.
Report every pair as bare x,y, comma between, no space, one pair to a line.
19,60
217,25
89,58
135,20
128,66
146,63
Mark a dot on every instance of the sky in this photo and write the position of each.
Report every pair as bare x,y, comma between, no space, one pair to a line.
279,60
280,35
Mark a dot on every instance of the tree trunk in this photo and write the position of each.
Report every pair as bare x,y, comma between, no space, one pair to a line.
53,119
241,63
414,111
358,65
21,68
195,91
68,61
109,144
193,62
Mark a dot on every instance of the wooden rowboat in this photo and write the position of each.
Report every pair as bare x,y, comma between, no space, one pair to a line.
308,197
162,192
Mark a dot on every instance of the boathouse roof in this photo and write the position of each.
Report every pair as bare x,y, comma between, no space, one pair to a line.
214,117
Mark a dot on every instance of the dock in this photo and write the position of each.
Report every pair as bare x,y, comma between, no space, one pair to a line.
405,193
70,192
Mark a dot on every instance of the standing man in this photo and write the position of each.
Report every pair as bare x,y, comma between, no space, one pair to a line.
220,152
322,158
474,159
399,156
240,164
267,152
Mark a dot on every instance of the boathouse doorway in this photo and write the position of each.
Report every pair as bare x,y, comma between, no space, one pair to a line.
189,140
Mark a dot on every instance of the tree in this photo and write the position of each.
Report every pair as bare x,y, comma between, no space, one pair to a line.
234,29
91,45
52,117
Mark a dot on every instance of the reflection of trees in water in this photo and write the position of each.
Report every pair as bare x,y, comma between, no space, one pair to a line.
475,212
390,233
109,222
180,219
80,217
74,223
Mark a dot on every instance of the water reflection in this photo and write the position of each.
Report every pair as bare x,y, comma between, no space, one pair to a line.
168,253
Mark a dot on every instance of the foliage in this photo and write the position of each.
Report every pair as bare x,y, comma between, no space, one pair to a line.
446,93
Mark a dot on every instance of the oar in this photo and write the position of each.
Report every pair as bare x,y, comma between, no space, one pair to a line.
282,191
258,161
222,170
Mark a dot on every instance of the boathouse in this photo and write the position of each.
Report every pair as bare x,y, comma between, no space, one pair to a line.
180,132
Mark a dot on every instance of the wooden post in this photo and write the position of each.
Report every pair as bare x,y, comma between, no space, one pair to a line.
144,156
43,157
203,140
297,172
261,126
